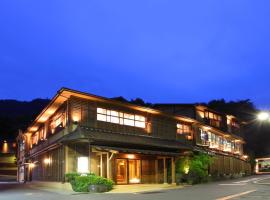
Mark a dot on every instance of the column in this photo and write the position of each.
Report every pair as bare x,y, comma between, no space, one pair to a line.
108,166
156,170
165,171
173,170
101,166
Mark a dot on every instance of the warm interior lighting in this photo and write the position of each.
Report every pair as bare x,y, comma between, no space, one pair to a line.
134,180
83,165
47,161
130,156
263,116
32,165
206,128
75,118
245,156
43,119
34,128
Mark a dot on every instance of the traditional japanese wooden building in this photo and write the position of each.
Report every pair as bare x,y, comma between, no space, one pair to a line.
81,132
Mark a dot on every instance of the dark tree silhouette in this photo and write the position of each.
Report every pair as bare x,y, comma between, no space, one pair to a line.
15,115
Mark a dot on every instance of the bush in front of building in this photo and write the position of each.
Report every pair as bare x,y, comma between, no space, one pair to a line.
84,182
193,169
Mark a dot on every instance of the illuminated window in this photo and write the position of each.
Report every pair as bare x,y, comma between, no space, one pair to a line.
83,165
214,119
35,138
116,117
42,134
227,146
57,122
184,129
201,113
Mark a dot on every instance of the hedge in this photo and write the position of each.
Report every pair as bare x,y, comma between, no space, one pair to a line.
81,182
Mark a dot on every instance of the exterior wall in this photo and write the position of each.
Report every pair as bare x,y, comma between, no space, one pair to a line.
74,151
226,165
156,125
52,171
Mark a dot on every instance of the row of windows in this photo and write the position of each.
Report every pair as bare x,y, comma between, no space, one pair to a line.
219,142
41,134
211,115
122,118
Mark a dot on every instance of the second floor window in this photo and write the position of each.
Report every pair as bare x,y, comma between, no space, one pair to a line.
214,119
57,122
122,118
184,129
35,138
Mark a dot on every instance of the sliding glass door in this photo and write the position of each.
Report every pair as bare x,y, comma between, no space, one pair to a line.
128,171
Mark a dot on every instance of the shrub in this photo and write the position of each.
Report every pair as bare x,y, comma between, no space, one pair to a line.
198,171
193,169
81,182
71,176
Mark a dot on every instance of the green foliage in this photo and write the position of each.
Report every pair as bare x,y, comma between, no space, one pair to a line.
81,182
193,169
71,176
183,165
198,171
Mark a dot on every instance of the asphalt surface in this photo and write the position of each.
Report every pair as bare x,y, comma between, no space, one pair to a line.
254,187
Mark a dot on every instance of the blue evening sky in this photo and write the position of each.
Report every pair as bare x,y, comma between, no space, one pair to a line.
162,51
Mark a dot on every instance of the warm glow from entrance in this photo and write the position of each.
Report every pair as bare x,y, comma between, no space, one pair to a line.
131,156
83,165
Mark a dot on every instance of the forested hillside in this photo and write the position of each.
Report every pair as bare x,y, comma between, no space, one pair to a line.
15,115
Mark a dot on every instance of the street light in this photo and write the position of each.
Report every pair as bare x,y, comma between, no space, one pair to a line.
263,116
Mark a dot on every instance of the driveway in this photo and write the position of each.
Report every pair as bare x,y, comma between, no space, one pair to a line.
245,188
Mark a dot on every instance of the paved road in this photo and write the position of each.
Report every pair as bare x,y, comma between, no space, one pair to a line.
245,188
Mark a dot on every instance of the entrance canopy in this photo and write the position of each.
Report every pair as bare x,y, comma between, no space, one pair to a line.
139,151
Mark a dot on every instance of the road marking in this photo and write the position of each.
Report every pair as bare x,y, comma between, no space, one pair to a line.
231,184
261,179
248,180
236,195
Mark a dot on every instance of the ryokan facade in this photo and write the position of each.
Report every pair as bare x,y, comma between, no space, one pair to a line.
80,132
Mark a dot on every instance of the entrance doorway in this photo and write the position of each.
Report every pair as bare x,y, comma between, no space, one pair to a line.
128,171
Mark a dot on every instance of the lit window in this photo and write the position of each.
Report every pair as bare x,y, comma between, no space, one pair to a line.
101,117
101,111
128,122
128,116
120,118
114,113
140,124
115,120
184,129
83,165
